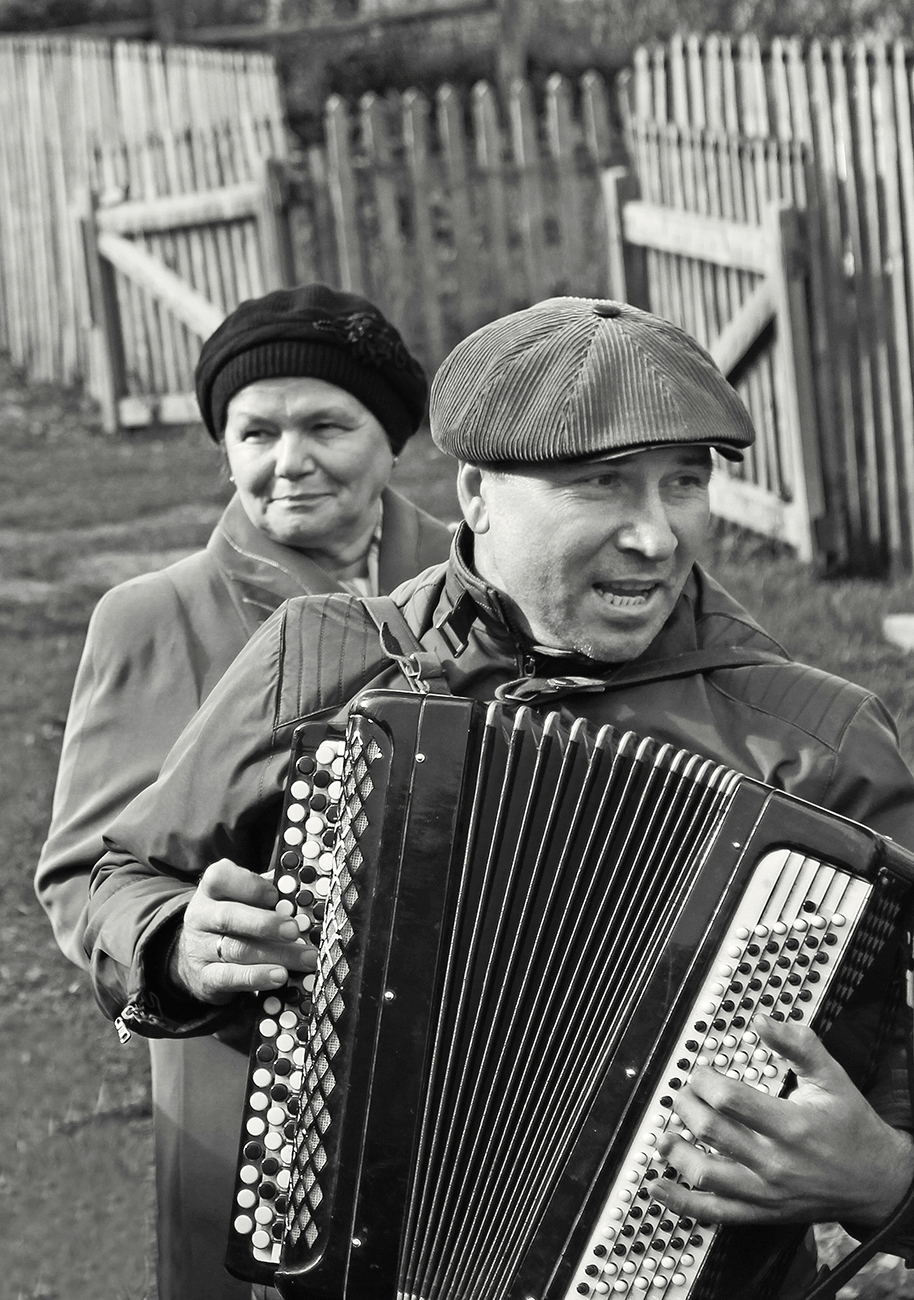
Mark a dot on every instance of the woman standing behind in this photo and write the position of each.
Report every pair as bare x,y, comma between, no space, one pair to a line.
312,394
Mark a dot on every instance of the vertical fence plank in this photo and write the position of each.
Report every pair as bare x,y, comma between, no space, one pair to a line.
490,161
696,82
468,263
323,230
526,153
836,391
389,278
341,182
877,126
888,170
641,97
863,371
415,139
598,133
905,160
713,79
561,137
679,84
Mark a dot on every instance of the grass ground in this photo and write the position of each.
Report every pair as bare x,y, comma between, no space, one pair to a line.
75,1183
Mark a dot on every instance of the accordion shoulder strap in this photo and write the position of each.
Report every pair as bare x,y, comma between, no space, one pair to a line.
422,668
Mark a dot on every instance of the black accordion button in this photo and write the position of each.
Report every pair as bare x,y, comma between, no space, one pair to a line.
305,765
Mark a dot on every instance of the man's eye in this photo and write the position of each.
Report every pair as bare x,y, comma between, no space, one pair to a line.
691,483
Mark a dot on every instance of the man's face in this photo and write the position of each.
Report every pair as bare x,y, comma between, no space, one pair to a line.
593,555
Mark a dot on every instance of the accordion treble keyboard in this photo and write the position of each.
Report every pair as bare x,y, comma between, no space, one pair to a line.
301,869
779,954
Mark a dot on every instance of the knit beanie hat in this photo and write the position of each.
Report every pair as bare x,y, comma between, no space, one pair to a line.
571,378
321,333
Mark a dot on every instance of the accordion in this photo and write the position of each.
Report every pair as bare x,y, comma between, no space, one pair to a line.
531,931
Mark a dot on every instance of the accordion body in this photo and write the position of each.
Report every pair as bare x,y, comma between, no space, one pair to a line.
533,931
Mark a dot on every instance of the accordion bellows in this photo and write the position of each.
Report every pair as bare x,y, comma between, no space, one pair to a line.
533,932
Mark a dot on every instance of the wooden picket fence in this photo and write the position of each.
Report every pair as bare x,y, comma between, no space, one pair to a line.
722,127
120,121
452,210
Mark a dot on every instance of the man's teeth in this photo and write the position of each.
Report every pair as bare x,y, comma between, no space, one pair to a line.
627,599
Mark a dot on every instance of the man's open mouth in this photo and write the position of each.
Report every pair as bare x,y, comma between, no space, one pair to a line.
625,597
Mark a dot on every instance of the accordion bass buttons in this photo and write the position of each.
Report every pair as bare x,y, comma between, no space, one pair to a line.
783,944
303,861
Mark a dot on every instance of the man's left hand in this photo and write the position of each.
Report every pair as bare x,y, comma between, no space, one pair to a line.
819,1155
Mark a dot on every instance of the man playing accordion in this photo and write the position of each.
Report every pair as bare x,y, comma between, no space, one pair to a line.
584,432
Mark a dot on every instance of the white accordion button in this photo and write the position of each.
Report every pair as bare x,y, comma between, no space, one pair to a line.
292,835
301,791
244,1224
295,813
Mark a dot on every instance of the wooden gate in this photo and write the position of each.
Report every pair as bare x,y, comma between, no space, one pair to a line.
739,288
161,274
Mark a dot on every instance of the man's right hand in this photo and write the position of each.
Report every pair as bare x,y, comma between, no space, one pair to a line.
232,941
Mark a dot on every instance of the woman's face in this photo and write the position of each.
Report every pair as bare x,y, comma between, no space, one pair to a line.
309,463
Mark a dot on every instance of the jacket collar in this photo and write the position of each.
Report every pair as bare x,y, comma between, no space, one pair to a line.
262,574
705,616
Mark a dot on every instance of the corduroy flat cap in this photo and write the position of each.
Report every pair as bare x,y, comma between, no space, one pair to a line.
571,378
321,333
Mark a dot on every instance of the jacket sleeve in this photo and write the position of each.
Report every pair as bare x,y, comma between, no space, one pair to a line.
217,797
871,783
135,689
869,780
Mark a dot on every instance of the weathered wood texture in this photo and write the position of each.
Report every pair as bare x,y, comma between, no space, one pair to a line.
124,122
723,128
452,210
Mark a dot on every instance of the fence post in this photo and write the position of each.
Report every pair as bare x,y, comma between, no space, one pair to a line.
107,378
796,395
273,227
626,266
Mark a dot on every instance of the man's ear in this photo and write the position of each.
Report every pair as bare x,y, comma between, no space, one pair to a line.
471,483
